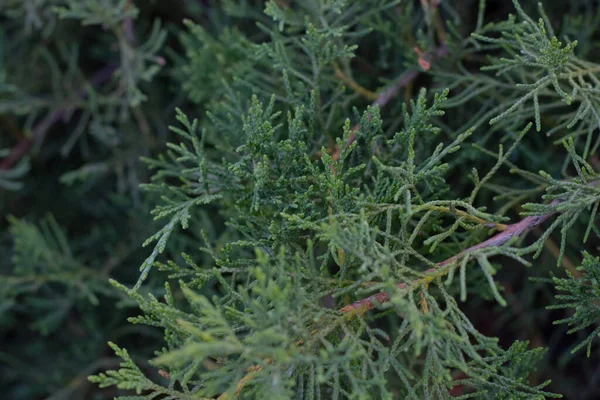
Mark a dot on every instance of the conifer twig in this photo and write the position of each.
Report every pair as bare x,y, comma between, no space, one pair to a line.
387,94
512,230
368,303
25,143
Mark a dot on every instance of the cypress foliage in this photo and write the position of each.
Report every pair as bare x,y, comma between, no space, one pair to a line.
318,199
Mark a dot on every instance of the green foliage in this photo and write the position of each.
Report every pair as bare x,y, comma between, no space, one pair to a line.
44,262
535,73
337,208
581,294
369,213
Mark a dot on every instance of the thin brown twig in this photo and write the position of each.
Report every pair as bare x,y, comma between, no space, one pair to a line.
366,93
437,22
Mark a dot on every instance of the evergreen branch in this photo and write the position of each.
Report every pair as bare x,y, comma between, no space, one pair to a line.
332,226
442,268
388,93
9,178
580,293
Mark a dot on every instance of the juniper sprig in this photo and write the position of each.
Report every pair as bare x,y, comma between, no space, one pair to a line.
347,202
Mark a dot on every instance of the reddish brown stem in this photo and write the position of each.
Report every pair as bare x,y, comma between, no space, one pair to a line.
499,239
39,130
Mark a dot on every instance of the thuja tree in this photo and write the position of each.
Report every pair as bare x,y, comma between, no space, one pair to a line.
351,192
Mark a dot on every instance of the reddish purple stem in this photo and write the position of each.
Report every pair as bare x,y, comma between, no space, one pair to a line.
499,239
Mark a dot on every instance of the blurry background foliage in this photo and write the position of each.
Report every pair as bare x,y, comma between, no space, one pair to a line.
291,224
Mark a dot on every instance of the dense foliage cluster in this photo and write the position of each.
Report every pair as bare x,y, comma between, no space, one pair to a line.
318,199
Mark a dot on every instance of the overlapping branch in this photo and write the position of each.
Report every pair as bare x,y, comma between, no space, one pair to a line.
443,267
382,99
